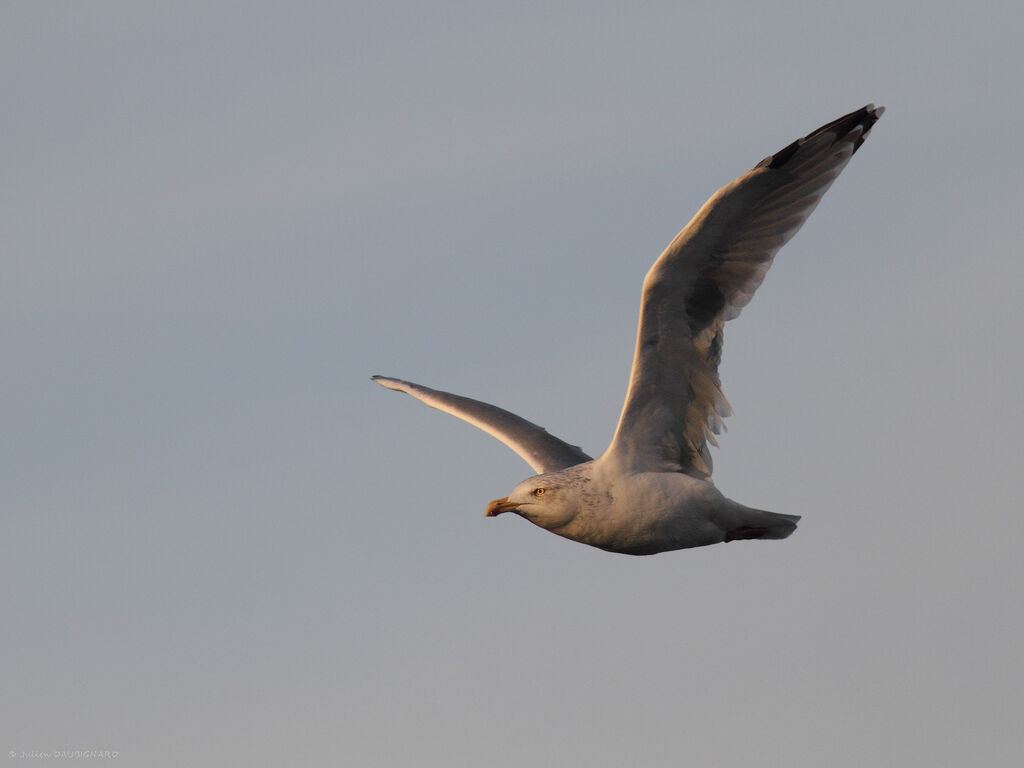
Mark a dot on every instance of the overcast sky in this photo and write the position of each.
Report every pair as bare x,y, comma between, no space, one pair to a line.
223,545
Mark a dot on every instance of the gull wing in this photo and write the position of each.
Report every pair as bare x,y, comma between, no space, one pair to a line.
708,273
542,451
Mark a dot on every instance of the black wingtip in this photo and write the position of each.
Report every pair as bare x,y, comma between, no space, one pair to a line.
862,118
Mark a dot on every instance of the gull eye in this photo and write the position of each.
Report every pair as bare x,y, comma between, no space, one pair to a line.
538,491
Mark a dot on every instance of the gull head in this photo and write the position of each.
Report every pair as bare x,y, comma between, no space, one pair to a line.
551,500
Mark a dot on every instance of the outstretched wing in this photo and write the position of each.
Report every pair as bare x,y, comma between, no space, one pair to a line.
542,451
675,405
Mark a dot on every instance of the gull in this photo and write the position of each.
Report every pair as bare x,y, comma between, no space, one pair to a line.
651,490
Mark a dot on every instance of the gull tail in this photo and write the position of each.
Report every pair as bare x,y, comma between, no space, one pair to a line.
760,524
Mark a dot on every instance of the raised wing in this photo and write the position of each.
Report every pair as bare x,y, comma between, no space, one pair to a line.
674,405
542,451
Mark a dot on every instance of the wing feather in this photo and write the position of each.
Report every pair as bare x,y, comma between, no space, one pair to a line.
542,451
674,406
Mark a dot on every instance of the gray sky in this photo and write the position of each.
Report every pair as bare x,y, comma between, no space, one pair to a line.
222,544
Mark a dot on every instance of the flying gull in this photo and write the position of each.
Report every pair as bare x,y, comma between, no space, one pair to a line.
651,490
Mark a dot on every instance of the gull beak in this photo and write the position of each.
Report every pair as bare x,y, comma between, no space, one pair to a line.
498,506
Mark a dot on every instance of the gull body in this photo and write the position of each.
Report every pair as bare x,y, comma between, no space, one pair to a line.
651,490
637,513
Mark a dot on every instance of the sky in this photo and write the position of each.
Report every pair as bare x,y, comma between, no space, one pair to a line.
223,544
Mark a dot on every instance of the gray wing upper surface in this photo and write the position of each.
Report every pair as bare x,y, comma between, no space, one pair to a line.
542,451
708,273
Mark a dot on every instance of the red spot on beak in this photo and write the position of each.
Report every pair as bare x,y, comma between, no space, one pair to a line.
498,506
